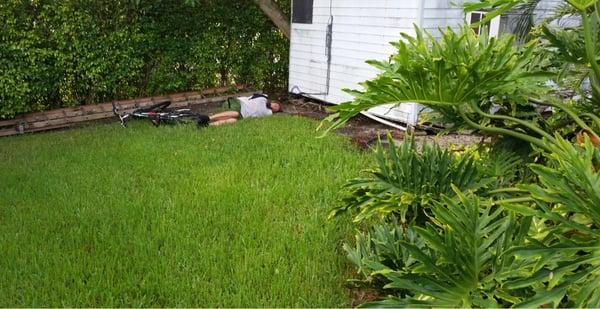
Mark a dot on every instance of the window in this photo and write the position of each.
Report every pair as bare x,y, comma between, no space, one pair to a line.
302,11
493,26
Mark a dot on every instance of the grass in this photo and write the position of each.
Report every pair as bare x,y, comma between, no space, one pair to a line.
174,216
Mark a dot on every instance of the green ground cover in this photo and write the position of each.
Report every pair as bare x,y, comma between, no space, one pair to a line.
174,216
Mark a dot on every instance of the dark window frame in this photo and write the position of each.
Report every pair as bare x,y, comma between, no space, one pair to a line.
480,15
302,11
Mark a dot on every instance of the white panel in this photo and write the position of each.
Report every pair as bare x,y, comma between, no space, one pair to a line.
362,30
405,112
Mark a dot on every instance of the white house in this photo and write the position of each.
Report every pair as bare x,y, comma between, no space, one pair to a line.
331,39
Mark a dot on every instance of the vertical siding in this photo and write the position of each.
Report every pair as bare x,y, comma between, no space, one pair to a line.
439,14
362,30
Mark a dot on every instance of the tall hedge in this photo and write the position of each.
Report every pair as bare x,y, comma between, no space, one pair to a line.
56,53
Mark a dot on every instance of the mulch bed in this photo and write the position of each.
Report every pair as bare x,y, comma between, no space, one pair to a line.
364,132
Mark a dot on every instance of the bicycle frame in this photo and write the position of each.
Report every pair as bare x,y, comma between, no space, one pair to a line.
156,114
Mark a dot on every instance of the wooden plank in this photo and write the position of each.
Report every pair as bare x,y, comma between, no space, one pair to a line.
101,111
87,109
9,132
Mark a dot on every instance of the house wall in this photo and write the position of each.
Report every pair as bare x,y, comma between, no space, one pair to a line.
362,30
439,14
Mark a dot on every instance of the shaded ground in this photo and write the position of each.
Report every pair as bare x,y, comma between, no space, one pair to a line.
364,131
361,130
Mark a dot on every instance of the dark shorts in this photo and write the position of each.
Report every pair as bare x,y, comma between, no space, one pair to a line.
232,104
203,120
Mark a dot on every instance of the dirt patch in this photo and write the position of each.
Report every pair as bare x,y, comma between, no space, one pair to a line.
364,132
360,296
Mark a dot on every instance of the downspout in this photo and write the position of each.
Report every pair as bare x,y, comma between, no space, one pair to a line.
420,13
328,43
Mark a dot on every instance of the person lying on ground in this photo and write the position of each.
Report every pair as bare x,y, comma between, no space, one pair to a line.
258,105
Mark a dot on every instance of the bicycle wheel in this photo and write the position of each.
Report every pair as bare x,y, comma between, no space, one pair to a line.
176,116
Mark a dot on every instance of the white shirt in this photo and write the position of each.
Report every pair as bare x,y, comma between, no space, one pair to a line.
251,108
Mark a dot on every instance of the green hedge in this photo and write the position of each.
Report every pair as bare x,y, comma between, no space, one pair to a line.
72,52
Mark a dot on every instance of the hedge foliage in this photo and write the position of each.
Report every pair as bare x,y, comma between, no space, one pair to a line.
57,53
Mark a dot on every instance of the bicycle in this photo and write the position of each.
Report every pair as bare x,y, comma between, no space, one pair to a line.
157,114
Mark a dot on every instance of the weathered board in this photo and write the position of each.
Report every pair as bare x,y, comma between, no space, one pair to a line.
65,117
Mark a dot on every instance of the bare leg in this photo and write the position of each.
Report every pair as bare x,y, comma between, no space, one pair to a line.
222,122
224,115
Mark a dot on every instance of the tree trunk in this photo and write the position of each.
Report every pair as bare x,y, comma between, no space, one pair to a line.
272,10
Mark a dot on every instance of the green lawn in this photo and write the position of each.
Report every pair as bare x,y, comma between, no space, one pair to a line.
174,216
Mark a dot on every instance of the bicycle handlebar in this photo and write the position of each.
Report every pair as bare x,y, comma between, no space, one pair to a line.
122,117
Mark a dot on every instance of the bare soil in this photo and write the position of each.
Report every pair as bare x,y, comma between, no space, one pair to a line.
364,132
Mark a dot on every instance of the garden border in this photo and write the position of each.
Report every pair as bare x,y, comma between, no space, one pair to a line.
66,117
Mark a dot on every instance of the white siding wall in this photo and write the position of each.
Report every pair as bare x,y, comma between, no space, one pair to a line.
362,30
439,14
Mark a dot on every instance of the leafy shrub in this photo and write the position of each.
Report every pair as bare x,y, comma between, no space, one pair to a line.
567,197
529,239
488,246
72,52
408,179
461,262
378,248
490,251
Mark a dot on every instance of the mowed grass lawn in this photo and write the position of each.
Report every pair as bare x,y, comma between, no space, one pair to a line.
174,216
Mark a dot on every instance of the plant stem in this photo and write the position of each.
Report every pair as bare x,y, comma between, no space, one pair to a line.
516,120
590,46
466,302
569,112
594,118
515,200
530,139
506,190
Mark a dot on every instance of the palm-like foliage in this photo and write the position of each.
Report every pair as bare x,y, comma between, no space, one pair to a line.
503,165
379,248
462,262
408,179
572,54
568,195
460,77
570,46
571,179
474,251
526,19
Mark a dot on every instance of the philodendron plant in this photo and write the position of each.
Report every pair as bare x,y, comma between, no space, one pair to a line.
535,243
